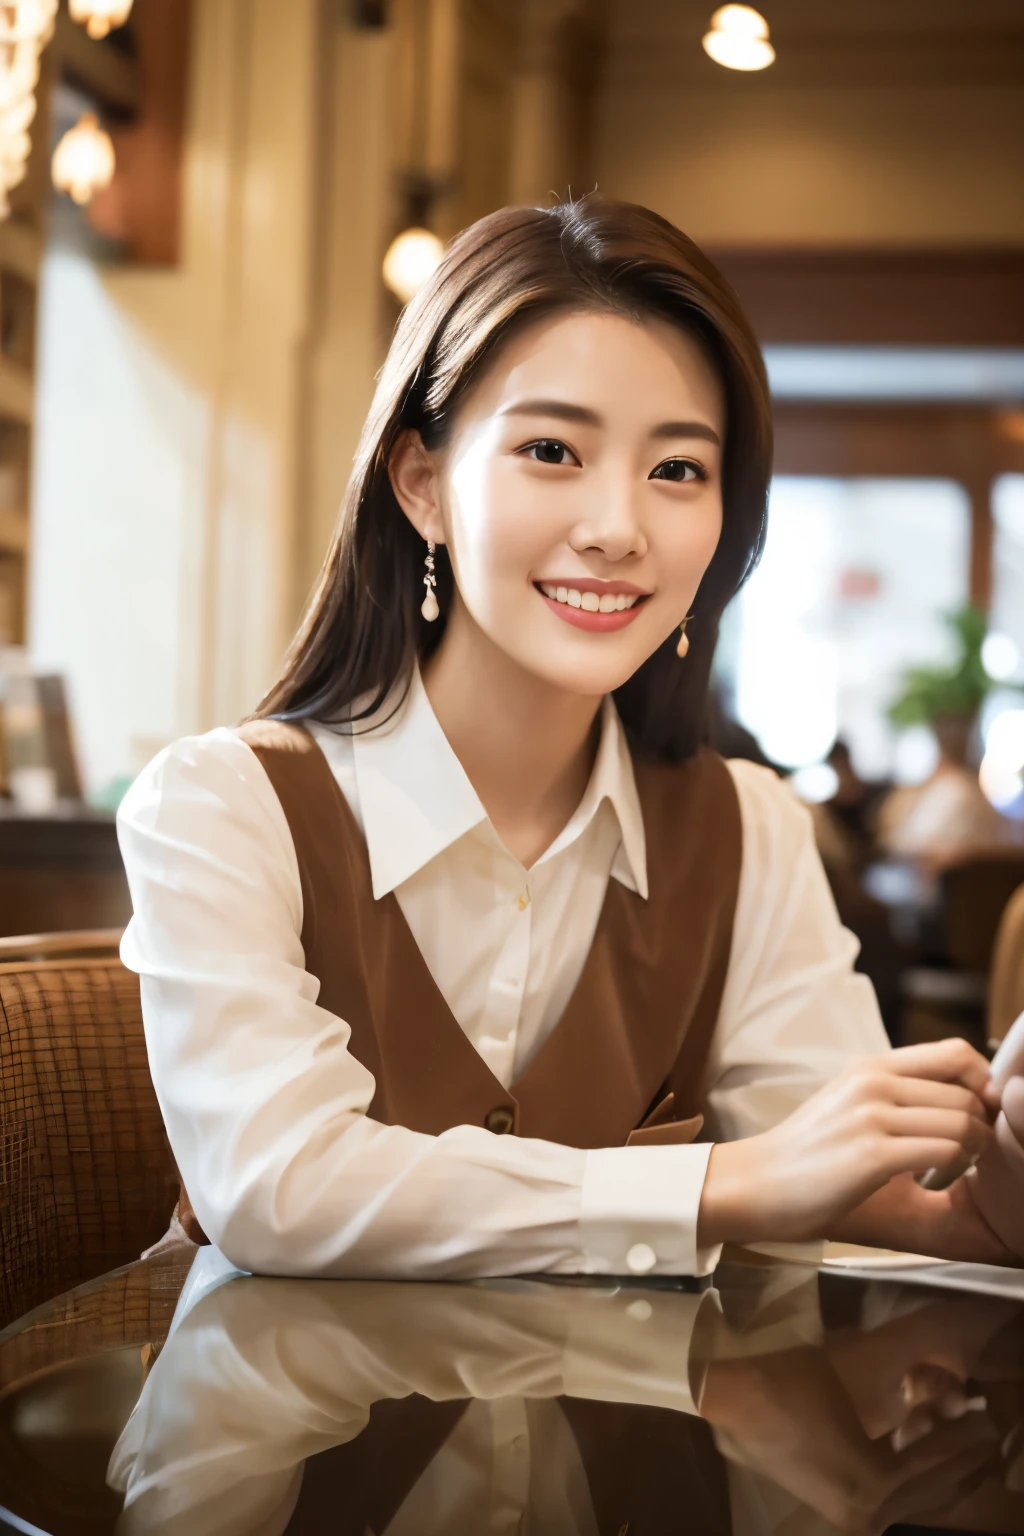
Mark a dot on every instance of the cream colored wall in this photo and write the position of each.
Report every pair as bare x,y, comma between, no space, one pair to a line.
853,139
176,517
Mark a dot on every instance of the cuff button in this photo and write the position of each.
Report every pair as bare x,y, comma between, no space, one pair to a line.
641,1259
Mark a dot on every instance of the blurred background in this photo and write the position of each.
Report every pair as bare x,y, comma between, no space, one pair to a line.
213,213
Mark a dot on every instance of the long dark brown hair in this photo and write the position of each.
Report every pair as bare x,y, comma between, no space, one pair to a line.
362,631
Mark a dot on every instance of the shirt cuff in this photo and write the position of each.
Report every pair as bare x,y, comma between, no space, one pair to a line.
638,1214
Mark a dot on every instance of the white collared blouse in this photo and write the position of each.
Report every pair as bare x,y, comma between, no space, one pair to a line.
266,1108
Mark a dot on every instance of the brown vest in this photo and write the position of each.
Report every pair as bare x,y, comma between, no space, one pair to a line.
626,1061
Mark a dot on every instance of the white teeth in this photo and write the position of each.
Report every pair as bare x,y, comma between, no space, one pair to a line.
608,602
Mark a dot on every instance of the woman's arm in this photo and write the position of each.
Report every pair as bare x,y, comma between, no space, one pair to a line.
816,1115
266,1108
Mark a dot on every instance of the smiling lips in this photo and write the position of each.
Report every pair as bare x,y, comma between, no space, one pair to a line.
595,605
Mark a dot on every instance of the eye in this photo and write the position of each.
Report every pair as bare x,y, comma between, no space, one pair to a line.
679,470
548,450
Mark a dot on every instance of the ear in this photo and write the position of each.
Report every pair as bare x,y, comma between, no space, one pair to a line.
413,474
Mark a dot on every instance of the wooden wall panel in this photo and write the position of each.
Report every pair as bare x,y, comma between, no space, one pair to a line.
873,297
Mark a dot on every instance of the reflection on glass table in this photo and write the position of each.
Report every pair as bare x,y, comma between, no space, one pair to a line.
778,1401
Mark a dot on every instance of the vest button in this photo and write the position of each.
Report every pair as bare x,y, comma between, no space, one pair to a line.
641,1259
500,1120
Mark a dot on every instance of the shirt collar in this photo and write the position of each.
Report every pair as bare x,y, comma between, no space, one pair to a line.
416,799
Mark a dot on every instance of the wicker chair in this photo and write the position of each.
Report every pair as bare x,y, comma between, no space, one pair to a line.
87,1180
1006,979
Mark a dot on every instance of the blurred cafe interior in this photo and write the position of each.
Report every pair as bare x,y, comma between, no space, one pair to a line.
211,214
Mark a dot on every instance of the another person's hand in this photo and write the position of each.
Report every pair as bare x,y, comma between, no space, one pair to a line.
917,1108
996,1184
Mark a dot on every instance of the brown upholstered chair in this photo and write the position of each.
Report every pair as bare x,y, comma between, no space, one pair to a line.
1006,980
975,892
951,999
87,1180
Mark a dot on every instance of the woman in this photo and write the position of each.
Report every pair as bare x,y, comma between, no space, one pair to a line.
469,872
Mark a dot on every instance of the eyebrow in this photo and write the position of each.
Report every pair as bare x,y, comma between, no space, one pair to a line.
564,410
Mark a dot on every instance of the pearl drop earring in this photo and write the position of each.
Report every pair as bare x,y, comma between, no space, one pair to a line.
683,644
428,607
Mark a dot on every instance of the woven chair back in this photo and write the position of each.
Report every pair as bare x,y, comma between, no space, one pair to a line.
86,1175
1006,981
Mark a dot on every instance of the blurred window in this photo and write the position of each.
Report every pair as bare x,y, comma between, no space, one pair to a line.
855,579
1008,561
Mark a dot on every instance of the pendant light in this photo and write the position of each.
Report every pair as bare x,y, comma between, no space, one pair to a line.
738,38
26,26
83,162
410,259
99,17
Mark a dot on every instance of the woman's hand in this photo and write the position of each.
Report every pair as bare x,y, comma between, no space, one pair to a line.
926,1106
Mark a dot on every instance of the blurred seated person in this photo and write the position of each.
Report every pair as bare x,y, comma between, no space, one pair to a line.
842,824
948,816
842,832
854,805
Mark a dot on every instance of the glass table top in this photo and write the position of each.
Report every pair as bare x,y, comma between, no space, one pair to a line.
177,1396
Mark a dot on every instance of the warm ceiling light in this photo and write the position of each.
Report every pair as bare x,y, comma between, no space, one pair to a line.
738,38
83,162
410,259
27,21
25,28
99,17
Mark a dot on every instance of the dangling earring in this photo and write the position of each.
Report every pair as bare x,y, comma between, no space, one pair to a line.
683,644
428,607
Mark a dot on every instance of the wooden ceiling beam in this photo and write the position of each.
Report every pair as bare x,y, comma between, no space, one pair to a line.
936,298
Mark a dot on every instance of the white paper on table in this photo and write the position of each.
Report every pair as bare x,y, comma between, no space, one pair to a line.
941,1274
863,1263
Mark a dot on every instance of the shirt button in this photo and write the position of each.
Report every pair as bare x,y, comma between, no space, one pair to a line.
640,1259
522,902
500,1120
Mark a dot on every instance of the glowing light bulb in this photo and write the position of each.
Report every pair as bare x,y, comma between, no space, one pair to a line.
28,21
999,656
1004,741
815,783
99,17
83,162
738,38
25,28
411,258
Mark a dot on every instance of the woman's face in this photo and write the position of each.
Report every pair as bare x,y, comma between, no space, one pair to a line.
579,495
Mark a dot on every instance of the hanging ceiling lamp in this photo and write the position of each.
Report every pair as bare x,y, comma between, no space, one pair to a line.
25,28
99,17
738,38
83,162
410,259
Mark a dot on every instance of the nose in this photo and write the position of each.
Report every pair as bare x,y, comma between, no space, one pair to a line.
612,525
